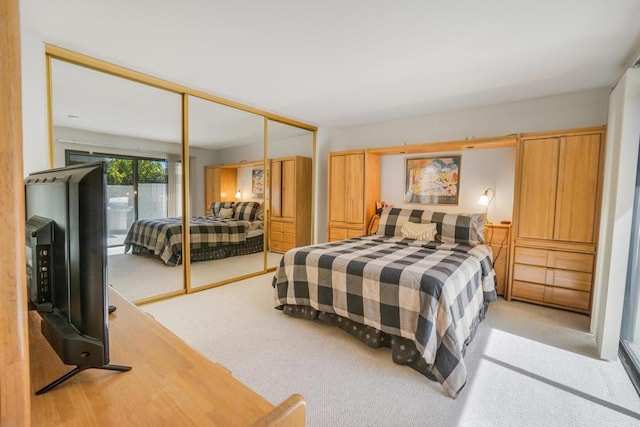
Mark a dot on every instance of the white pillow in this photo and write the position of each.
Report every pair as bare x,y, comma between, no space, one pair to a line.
417,231
225,213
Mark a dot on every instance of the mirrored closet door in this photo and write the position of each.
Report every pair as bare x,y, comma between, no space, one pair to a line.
181,158
136,130
226,146
290,158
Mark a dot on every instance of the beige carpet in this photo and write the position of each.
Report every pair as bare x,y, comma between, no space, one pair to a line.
137,277
528,365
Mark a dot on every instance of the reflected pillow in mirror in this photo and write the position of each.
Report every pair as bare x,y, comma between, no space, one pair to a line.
416,231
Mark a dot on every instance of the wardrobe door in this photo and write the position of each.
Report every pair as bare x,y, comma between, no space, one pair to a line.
288,184
577,188
220,185
538,188
276,188
338,188
355,188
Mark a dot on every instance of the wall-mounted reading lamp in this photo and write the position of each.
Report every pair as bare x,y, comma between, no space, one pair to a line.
485,199
239,195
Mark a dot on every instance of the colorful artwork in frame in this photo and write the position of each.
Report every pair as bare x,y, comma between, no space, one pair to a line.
257,183
432,180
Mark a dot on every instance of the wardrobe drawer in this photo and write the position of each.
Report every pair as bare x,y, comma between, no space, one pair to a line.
354,233
277,235
276,246
570,279
343,233
287,245
526,290
555,259
530,256
567,297
289,237
276,226
337,234
529,273
570,261
289,228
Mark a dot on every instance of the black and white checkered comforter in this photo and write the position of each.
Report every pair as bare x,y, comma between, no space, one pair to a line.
163,236
427,292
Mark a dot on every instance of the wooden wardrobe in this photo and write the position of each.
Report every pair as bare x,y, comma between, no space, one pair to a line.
556,216
220,184
354,187
290,217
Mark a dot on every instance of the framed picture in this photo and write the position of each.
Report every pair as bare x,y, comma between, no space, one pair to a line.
432,180
257,183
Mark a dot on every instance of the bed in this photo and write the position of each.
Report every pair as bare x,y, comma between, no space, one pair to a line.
232,229
422,297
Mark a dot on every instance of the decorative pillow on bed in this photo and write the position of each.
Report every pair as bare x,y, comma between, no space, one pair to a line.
413,230
392,219
216,206
246,211
467,229
225,213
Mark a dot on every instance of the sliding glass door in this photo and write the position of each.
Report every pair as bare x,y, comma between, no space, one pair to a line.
137,188
630,331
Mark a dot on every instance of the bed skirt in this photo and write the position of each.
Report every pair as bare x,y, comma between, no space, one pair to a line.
403,351
250,246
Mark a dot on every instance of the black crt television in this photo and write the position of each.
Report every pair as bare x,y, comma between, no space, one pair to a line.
66,244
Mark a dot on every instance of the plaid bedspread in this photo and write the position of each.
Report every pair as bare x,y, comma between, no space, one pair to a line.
163,236
427,292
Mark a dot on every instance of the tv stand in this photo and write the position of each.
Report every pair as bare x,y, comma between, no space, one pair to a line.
171,383
77,370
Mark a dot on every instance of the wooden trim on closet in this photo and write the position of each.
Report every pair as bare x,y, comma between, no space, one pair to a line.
15,400
565,132
239,165
439,147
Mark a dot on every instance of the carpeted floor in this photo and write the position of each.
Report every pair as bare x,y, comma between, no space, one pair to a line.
137,277
528,365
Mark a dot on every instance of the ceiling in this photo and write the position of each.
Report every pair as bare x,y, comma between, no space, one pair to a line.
336,63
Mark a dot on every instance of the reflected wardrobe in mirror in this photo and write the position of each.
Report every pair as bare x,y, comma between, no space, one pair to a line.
290,153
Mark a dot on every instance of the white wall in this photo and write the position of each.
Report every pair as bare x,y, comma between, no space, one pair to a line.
623,135
245,153
34,104
475,178
108,143
245,183
321,180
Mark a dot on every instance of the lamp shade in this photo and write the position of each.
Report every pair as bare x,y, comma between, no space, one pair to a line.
485,200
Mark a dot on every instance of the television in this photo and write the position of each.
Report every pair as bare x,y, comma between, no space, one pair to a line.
66,244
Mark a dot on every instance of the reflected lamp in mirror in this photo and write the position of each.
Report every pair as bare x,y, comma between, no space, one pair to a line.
485,200
239,195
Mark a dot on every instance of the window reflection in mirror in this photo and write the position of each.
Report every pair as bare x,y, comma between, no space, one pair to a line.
136,130
290,157
227,236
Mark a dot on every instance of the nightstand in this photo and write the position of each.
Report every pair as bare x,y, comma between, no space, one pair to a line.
498,237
